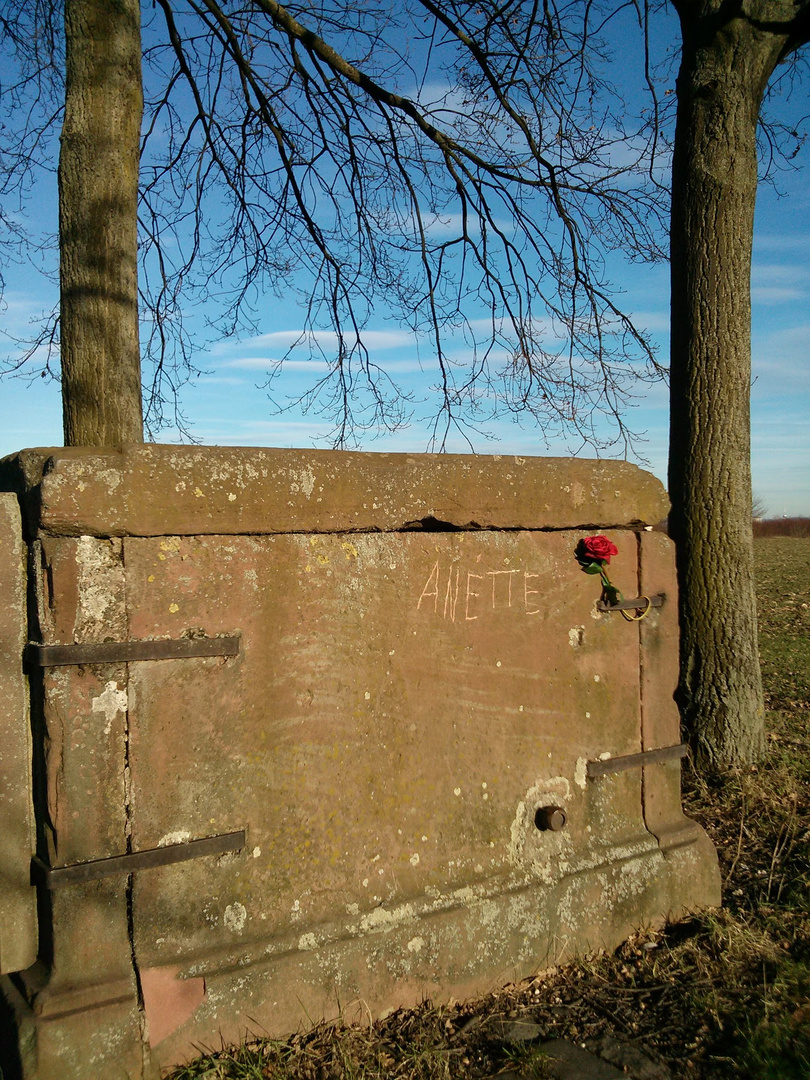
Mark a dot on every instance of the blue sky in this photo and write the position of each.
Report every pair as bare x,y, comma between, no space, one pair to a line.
227,406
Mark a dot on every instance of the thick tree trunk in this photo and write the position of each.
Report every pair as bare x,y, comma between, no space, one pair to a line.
726,64
98,189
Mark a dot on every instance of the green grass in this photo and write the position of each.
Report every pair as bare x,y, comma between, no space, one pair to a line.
724,995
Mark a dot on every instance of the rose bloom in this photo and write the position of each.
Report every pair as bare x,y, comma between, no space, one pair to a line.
596,547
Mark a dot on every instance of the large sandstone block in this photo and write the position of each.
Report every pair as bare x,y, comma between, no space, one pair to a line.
155,490
419,675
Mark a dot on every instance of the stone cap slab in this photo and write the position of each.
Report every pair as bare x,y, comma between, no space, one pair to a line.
160,490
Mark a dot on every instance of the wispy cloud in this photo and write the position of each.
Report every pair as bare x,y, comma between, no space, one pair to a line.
267,363
325,339
781,362
317,367
775,294
779,283
782,242
655,322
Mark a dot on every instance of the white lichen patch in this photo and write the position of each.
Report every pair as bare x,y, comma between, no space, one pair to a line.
234,917
302,481
381,919
416,944
112,702
573,904
636,875
581,772
181,836
101,588
307,942
576,636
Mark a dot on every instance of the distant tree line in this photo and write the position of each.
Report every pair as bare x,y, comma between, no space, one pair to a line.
784,526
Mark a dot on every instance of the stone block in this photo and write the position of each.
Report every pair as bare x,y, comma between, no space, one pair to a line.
154,490
18,923
422,677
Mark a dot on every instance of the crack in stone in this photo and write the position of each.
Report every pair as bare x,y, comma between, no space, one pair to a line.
130,887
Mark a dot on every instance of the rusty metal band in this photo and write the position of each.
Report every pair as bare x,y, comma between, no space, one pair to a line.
123,652
633,604
56,877
636,761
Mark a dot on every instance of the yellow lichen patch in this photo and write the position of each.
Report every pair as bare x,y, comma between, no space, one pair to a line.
151,577
349,549
198,493
173,608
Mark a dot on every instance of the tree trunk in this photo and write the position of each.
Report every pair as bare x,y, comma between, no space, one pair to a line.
726,64
98,190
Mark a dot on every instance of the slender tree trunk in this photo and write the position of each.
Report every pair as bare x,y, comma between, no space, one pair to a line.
726,64
98,189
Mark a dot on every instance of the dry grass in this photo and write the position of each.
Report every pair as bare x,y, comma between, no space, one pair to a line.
723,995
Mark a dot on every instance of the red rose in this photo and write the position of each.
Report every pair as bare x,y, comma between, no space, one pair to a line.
597,548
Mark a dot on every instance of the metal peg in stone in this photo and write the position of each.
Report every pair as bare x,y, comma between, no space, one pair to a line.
550,818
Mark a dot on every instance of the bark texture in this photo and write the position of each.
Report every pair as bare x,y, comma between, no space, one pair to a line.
98,192
729,53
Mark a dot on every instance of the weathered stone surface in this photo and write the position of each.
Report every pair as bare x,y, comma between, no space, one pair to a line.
80,584
102,1041
18,927
402,705
154,490
83,591
168,1001
356,655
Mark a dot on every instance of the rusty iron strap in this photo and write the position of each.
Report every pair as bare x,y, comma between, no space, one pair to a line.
632,604
122,652
55,877
635,761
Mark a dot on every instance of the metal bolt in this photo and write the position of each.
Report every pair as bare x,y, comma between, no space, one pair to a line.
551,818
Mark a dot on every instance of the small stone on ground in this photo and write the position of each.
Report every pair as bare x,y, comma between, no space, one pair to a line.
517,1031
568,1061
604,1059
629,1058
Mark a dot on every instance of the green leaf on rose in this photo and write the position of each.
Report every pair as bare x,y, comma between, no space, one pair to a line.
592,567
